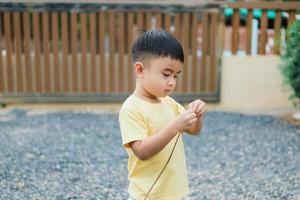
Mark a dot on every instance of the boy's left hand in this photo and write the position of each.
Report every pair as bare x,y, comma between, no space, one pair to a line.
198,107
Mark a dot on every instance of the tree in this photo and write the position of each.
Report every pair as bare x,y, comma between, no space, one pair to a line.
290,66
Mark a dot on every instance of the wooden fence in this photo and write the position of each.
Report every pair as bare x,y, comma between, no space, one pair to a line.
83,52
290,8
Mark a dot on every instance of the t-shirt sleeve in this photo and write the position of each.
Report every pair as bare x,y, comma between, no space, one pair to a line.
177,106
132,126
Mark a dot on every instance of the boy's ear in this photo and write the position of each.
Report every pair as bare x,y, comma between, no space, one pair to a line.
138,69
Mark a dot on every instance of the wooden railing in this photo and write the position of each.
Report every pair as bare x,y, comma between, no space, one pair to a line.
289,7
83,53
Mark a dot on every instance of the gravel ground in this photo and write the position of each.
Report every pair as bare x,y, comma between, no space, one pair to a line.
78,155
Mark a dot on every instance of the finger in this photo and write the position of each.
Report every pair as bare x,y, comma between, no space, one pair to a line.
192,115
189,111
200,108
203,109
201,112
191,105
195,108
200,117
192,121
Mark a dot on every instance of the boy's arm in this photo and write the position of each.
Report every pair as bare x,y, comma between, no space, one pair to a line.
145,149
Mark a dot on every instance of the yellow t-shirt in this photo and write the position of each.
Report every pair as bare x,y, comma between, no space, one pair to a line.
138,120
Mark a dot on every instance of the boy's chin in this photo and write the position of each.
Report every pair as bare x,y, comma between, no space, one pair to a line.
166,93
162,94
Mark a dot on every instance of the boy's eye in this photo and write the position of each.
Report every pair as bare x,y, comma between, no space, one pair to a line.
165,74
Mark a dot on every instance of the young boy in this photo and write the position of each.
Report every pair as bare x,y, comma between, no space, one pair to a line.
152,123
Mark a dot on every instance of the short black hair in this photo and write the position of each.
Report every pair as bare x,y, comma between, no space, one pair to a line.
157,43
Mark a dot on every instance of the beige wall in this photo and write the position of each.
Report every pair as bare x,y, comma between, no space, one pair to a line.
252,83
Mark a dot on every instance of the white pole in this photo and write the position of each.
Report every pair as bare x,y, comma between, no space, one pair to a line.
254,37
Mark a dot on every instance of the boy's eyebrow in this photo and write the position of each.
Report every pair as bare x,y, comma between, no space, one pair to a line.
171,70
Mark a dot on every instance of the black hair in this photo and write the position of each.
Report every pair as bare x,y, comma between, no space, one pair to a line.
157,43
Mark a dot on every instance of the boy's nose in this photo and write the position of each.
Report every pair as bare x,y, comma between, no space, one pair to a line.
171,82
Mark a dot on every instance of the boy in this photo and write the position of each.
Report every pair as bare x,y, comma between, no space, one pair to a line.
152,123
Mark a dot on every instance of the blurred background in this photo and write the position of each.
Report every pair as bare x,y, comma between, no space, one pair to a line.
80,51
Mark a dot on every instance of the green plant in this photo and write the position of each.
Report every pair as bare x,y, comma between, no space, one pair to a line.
290,66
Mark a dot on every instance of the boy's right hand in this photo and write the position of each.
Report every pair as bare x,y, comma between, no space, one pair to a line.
185,120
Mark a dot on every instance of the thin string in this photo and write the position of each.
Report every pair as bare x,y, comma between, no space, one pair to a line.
163,168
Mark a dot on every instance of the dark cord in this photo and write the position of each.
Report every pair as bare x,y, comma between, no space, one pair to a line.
163,168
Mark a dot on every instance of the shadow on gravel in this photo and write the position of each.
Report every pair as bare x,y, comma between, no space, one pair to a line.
78,155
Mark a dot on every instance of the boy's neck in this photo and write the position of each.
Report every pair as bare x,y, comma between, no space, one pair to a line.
146,97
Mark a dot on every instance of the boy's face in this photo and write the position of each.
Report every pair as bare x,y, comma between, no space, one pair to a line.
159,76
